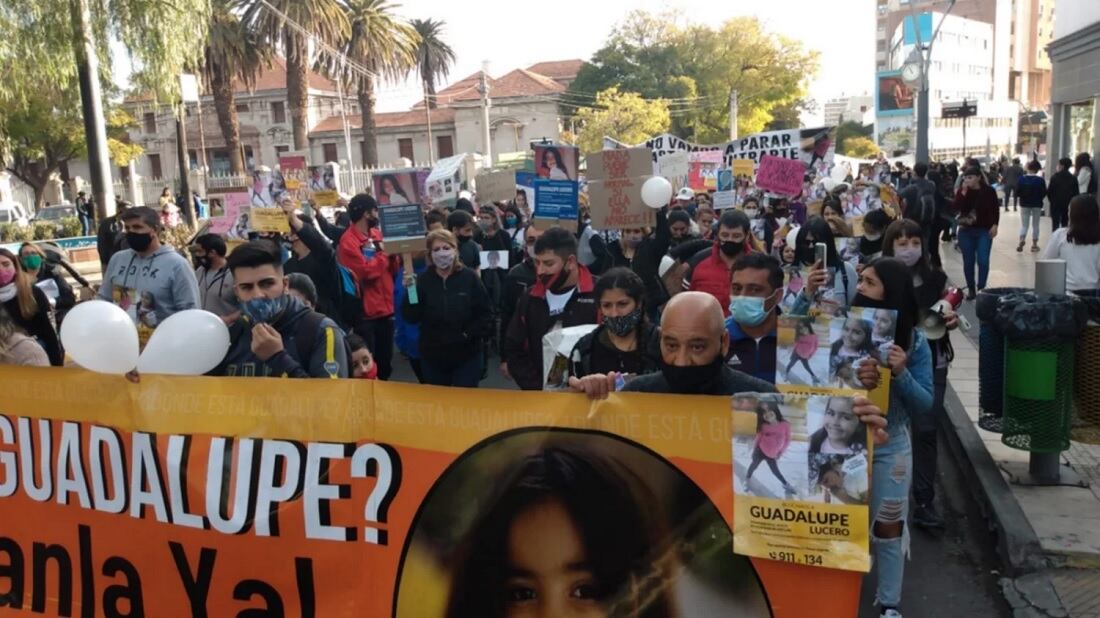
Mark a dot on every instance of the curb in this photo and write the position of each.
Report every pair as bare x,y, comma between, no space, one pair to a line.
1017,544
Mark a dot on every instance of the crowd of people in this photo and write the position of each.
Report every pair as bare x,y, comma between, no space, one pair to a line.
690,306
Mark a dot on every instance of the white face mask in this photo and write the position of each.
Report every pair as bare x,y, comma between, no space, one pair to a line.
443,258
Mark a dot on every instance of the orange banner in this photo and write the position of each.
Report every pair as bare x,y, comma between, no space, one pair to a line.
215,496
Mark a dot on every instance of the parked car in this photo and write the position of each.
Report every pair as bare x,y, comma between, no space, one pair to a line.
13,212
53,215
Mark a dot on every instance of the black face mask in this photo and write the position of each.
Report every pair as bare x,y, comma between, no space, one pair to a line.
693,379
138,242
555,283
730,248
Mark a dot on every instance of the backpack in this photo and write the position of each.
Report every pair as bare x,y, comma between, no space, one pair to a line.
924,211
306,333
349,301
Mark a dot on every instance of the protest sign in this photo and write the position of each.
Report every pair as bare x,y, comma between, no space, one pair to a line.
615,179
322,184
724,199
403,227
807,145
396,187
264,188
293,169
557,162
268,220
499,186
235,222
556,203
216,496
494,260
782,176
742,167
444,181
809,503
673,165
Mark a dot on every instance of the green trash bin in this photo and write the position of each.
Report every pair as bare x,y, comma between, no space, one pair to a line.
1039,365
1038,395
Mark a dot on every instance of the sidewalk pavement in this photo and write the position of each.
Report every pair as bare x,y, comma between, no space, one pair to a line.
1049,537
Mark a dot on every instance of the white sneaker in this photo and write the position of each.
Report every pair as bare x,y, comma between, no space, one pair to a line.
890,613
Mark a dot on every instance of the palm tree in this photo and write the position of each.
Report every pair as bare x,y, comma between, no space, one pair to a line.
383,44
434,57
232,52
324,19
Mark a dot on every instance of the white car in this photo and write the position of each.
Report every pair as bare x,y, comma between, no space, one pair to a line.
13,212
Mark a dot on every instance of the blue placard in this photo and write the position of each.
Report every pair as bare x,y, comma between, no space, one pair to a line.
402,222
725,180
556,199
525,179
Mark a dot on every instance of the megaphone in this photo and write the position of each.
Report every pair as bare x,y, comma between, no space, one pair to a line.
935,324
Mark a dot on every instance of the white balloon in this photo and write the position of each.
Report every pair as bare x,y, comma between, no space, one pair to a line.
656,192
100,336
188,343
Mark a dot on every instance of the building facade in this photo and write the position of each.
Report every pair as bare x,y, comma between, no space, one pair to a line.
1075,80
858,108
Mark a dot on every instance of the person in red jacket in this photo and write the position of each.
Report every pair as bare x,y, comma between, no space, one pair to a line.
710,269
361,252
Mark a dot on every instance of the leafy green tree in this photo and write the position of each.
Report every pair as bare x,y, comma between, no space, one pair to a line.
325,19
858,147
434,56
696,68
232,52
624,116
850,128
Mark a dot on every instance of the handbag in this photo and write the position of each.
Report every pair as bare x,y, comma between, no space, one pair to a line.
968,219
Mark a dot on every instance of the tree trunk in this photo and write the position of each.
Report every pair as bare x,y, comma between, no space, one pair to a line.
296,88
367,99
225,104
429,89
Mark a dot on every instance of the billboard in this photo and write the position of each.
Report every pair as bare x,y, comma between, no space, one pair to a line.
893,97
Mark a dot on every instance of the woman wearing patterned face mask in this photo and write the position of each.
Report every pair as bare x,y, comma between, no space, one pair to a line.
454,312
624,342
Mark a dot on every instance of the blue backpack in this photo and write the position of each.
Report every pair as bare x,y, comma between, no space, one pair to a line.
349,301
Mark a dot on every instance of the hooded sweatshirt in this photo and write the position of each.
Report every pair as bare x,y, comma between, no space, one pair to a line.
150,288
327,356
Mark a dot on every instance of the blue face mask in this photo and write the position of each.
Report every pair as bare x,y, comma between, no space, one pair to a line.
748,310
510,221
266,310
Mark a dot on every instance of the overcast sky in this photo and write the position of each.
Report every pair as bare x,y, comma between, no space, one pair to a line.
513,35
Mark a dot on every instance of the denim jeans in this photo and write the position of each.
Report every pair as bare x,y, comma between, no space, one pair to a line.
1030,215
925,452
892,476
1059,217
975,244
466,373
1011,192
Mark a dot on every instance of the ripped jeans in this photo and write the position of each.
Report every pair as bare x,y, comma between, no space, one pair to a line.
892,475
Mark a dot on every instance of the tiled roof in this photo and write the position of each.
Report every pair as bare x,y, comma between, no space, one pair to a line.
518,83
557,69
274,78
386,120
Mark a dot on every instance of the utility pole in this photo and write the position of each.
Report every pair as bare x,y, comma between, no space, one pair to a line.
483,88
733,115
964,128
925,60
428,113
345,125
184,165
91,102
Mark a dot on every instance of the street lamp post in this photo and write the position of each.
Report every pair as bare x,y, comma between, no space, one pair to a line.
922,57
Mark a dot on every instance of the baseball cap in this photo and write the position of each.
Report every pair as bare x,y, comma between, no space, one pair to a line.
685,194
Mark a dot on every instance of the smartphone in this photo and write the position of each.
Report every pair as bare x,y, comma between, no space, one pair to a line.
821,254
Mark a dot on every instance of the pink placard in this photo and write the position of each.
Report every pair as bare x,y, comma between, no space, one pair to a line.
782,176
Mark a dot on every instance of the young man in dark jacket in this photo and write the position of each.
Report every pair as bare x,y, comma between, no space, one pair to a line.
276,335
562,296
1063,188
519,279
313,256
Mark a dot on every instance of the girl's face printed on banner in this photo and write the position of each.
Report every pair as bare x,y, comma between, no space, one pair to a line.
884,323
547,563
841,422
854,334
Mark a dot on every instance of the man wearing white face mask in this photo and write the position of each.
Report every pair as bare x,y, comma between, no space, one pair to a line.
454,312
755,286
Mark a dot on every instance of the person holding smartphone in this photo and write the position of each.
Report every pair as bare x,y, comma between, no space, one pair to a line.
831,282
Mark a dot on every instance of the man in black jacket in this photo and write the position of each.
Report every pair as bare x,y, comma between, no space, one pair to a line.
562,295
1063,187
519,279
314,256
110,235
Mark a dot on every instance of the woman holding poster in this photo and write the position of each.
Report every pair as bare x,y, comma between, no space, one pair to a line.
886,283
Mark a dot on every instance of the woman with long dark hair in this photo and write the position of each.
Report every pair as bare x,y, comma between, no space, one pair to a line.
390,191
552,165
1086,174
28,306
773,436
979,211
835,280
886,283
610,546
903,240
1079,244
624,342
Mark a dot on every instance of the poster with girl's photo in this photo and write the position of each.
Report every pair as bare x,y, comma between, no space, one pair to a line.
848,249
396,187
862,334
263,191
556,162
793,282
802,351
800,479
